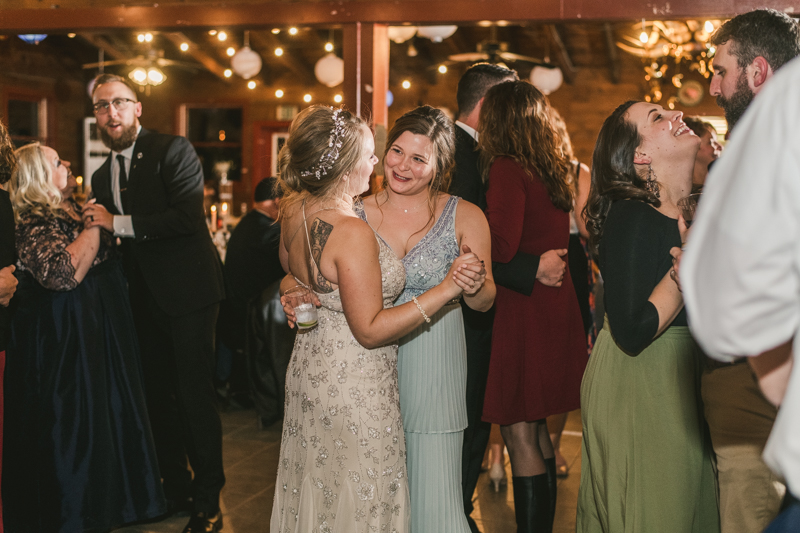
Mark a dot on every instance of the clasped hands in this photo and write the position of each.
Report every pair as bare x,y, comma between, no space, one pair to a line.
468,271
96,215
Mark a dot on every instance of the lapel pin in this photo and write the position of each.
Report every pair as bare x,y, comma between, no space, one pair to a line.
139,155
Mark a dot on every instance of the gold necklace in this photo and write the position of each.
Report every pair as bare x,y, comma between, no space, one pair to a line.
404,209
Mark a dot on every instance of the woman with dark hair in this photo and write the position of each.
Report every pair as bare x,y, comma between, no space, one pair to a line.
538,340
646,463
427,229
709,151
342,459
78,452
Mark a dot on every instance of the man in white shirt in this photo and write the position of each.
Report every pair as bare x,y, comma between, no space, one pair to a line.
741,271
750,48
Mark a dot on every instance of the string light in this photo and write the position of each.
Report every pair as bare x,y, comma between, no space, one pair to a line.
222,36
279,93
230,51
307,98
148,37
276,31
251,84
212,32
406,84
643,36
228,73
279,52
329,47
292,31
708,26
338,98
442,69
184,47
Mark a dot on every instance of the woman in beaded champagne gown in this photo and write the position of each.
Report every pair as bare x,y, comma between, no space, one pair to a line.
432,360
342,459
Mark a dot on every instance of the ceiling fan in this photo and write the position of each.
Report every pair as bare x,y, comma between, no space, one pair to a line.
154,58
495,51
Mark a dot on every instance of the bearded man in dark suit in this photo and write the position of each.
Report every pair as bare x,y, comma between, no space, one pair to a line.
150,194
519,274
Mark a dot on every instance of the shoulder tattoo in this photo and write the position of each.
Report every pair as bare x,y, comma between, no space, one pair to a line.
318,237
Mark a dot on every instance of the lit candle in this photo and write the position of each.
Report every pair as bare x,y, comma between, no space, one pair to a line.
213,218
224,210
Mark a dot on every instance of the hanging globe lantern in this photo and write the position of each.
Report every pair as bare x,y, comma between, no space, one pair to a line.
546,79
401,34
436,33
329,70
246,63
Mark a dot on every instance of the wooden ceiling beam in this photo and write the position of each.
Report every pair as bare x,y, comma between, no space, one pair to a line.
82,15
562,55
110,51
205,59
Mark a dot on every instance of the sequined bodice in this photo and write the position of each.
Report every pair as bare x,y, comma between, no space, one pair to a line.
428,262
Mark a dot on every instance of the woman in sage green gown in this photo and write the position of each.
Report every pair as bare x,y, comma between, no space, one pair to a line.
646,458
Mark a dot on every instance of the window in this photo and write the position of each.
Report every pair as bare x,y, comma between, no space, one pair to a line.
27,120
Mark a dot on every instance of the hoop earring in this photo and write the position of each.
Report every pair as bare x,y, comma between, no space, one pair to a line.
650,182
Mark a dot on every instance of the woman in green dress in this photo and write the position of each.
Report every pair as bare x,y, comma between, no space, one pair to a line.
646,460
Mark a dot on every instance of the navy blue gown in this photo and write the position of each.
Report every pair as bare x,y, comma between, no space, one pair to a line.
78,452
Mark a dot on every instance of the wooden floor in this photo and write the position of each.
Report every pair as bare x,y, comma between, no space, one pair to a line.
251,462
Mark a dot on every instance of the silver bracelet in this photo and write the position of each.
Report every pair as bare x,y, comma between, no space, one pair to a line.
421,310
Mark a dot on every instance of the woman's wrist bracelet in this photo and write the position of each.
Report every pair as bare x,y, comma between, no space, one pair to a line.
421,310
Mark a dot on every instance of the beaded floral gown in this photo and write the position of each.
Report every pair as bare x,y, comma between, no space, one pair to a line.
342,465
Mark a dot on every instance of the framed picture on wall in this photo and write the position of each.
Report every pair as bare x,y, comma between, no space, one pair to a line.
278,140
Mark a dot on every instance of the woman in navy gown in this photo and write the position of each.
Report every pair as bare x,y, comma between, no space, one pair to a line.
78,452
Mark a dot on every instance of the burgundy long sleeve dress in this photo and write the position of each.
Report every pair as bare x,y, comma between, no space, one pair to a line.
538,344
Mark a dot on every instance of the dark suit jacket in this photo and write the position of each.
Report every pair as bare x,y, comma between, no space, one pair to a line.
8,256
172,250
518,274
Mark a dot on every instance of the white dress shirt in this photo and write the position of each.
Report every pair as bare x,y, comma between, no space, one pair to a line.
472,132
741,270
123,225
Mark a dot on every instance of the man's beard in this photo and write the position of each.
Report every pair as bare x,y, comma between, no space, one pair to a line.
124,141
738,103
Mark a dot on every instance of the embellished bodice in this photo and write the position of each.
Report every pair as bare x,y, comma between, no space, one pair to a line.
428,262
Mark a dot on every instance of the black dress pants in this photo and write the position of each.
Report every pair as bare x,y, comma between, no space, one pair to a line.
178,362
478,333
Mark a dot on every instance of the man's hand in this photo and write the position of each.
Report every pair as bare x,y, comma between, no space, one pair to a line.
552,267
95,215
8,284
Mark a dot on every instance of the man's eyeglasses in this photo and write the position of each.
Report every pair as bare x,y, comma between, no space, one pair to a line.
120,104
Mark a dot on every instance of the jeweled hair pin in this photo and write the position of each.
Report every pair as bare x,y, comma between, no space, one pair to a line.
331,154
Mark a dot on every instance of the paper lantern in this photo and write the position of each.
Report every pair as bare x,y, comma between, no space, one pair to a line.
246,63
329,70
401,34
546,79
436,33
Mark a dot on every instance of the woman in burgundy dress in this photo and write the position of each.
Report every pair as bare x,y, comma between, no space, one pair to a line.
538,342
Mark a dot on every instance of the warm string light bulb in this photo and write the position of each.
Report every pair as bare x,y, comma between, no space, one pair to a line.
251,84
338,98
708,26
279,93
442,69
279,52
307,98
228,73
406,84
222,36
292,31
643,36
329,47
184,47
230,51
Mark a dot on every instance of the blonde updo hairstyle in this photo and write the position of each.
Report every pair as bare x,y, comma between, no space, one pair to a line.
309,138
31,188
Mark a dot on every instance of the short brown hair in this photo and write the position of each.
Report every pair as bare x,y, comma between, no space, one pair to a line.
8,161
102,79
768,33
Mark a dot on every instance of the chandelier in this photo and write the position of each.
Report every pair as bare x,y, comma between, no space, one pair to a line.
675,55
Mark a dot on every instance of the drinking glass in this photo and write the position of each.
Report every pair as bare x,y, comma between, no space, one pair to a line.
302,301
688,206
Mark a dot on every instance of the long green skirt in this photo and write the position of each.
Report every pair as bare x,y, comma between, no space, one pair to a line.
646,458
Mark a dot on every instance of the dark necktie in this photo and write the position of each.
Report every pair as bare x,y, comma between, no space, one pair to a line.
123,183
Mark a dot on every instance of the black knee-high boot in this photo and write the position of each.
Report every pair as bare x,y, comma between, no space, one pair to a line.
552,483
532,504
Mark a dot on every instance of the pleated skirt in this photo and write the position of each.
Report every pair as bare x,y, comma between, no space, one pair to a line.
432,375
646,456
